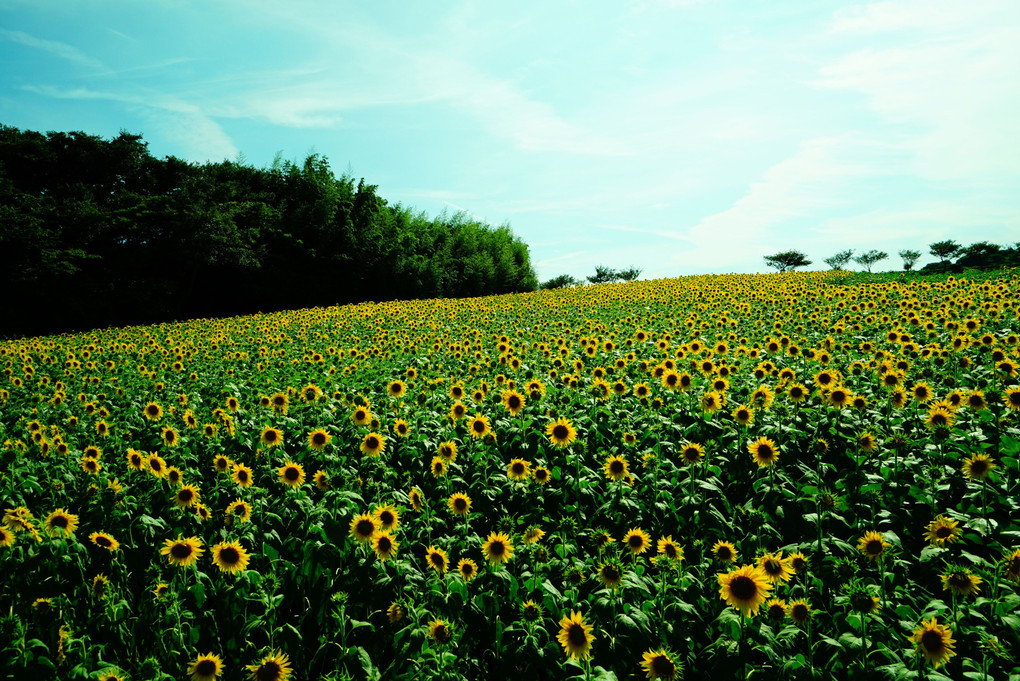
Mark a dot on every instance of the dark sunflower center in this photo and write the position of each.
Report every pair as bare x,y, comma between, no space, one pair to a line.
364,528
478,426
773,567
577,636
467,569
724,553
269,671
610,573
360,415
386,518
59,521
743,588
764,452
518,468
497,548
185,496
384,544
932,642
670,551
873,547
205,668
242,475
636,541
103,541
942,532
437,560
238,510
372,443
270,436
616,467
460,504
514,402
230,556
978,467
319,439
959,580
799,612
560,432
180,551
292,474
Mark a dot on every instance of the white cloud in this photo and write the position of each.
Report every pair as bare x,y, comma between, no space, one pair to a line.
58,49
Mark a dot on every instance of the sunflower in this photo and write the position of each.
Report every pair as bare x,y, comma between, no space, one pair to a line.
939,417
373,444
1011,565
531,611
361,416
660,664
174,476
561,432
764,452
222,463
797,393
384,545
798,561
135,459
239,511
241,475
182,552
479,426
457,411
745,589
497,548
362,527
6,536
318,439
460,504
437,560
90,464
611,574
669,549
291,474
396,612
513,401
61,522
575,636
775,567
187,496
800,611
533,535
387,516
438,467
872,545
942,531
205,667
616,468
104,541
866,442
712,402
99,584
153,411
280,402
978,466
692,453
416,500
440,631
776,610
725,551
230,556
273,667
448,451
838,397
170,436
541,475
637,541
934,641
961,582
743,415
467,569
519,469
1011,398
271,437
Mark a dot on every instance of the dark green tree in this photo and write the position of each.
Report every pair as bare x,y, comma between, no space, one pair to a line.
945,250
867,260
787,261
909,258
839,261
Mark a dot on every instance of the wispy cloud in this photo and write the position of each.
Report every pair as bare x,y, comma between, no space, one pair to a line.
57,49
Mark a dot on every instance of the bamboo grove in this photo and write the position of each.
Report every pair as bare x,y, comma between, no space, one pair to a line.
762,476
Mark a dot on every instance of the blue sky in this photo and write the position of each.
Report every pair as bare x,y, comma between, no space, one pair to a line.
677,136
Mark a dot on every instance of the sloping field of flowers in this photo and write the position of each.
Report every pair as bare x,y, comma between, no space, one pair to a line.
771,476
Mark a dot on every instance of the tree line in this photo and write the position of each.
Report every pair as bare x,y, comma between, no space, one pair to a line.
99,232
952,257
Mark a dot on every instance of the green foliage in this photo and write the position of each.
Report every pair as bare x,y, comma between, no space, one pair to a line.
909,258
839,261
787,260
561,281
944,250
98,232
867,260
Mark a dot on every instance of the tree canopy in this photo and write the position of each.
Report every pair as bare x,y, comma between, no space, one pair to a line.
98,232
787,260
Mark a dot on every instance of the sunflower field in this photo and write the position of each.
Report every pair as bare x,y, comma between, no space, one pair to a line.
782,476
